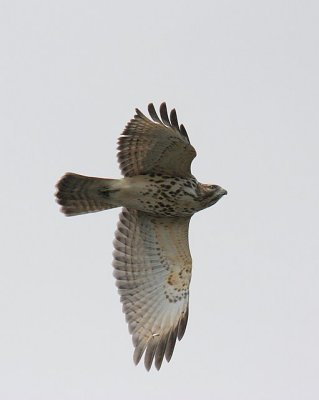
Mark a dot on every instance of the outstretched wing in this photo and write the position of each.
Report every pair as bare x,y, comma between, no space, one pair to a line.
153,266
160,146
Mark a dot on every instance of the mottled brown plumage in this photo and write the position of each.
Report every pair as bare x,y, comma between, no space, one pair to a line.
152,261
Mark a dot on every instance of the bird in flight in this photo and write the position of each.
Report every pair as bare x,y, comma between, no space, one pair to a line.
152,261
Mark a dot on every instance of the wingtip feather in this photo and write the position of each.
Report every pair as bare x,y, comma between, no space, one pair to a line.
153,113
164,115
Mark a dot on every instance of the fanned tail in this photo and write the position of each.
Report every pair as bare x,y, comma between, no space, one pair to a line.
79,194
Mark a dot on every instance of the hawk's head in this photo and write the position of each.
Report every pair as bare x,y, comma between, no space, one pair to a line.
211,194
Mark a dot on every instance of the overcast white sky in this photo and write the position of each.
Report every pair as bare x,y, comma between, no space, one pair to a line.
243,76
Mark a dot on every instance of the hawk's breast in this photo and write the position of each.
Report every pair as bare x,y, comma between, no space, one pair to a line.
160,195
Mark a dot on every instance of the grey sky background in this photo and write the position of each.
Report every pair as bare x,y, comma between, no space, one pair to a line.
243,76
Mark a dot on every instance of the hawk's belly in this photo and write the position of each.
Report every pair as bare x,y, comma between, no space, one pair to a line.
160,195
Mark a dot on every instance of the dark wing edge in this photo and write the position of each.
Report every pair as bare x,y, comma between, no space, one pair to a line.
159,347
170,122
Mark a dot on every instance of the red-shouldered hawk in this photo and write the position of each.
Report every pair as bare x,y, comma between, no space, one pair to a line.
152,262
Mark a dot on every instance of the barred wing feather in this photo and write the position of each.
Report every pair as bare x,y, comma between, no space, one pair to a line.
152,266
159,146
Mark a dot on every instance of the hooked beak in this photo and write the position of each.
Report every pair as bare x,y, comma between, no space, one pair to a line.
219,190
223,192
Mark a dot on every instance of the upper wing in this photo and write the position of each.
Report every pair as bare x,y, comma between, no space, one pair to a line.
153,266
160,147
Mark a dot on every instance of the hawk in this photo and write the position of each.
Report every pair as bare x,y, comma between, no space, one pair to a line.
152,261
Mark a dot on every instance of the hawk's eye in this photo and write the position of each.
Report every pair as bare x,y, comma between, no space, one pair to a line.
213,187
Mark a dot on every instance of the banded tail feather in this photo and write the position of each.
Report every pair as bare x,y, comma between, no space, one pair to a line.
79,194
